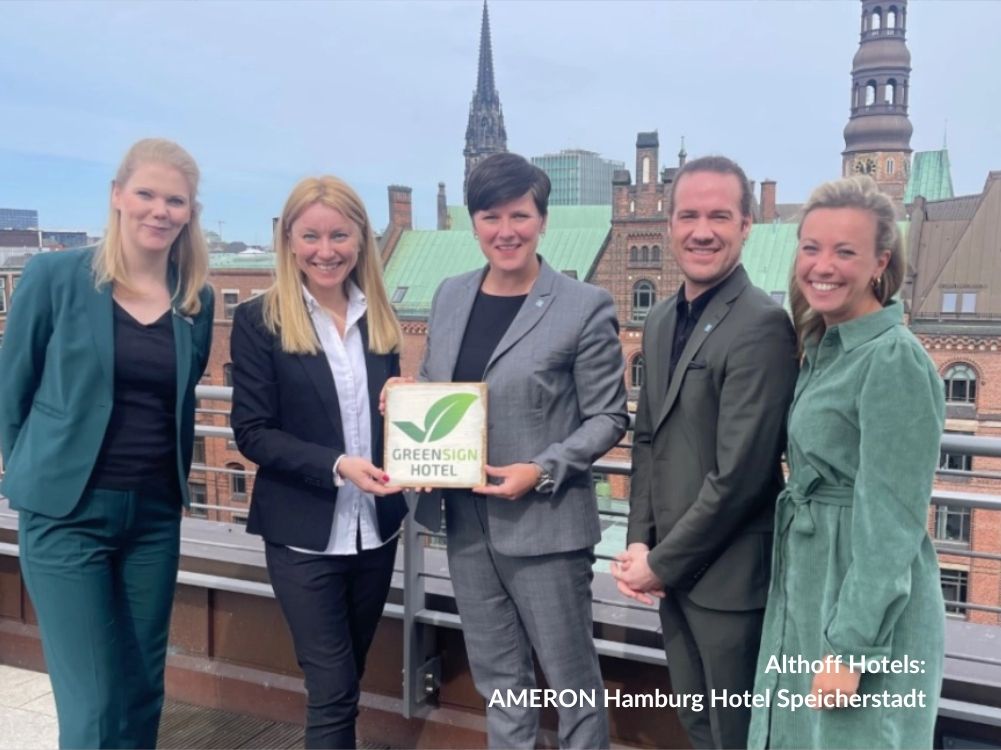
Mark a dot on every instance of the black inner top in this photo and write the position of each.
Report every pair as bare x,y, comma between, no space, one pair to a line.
489,320
688,316
139,448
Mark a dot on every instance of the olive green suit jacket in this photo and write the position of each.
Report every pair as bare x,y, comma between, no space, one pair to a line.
57,380
707,445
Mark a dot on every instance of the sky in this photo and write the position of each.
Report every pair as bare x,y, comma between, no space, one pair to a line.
378,92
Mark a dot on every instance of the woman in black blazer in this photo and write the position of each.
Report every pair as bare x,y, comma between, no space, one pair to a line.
310,357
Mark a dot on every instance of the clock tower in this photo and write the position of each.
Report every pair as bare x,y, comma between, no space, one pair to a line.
878,134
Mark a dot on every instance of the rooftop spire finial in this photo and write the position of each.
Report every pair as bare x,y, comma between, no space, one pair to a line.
682,154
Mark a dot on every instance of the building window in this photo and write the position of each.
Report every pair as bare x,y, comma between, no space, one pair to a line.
889,166
646,169
645,254
227,374
3,294
230,299
239,519
952,524
198,497
237,481
955,584
960,384
198,450
655,254
779,296
959,303
644,295
955,462
637,371
399,294
634,254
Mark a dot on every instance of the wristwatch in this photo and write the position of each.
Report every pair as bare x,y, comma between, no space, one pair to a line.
545,484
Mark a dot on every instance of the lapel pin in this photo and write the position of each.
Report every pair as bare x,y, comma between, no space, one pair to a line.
539,303
709,327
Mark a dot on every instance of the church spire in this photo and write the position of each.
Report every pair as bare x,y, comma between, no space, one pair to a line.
485,133
485,88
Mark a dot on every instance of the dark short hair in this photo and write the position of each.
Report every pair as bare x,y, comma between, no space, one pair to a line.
718,165
505,177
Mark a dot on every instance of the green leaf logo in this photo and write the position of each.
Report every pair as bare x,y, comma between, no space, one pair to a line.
443,417
413,431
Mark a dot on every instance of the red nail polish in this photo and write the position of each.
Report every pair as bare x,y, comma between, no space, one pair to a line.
385,477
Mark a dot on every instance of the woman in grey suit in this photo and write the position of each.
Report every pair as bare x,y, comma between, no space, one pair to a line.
520,549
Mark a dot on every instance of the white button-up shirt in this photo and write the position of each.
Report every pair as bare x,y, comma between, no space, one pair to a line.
354,511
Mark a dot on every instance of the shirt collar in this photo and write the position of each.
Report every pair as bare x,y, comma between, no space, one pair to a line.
357,303
696,307
853,333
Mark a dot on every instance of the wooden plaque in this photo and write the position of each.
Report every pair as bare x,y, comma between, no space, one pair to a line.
436,434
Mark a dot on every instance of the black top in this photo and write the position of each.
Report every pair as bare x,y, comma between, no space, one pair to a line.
489,320
688,317
139,448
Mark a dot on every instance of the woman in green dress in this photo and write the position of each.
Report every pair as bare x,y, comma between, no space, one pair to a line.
852,648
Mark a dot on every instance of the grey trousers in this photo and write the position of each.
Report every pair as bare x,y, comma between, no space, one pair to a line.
512,605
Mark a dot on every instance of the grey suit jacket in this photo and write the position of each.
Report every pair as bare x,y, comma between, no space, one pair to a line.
555,396
706,453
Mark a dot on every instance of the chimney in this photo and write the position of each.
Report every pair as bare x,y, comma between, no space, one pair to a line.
443,221
768,201
401,215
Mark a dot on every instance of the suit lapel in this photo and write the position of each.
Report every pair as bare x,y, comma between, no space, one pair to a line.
182,351
318,369
536,305
717,309
455,329
101,315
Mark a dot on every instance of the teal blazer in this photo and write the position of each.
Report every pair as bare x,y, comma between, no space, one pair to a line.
57,380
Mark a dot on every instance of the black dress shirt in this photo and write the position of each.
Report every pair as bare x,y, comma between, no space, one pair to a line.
688,317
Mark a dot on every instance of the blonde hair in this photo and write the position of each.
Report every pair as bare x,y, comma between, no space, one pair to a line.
285,312
189,253
851,192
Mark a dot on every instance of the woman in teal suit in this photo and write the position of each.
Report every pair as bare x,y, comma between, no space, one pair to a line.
97,377
855,620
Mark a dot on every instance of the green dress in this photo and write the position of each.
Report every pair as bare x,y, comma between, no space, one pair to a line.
854,573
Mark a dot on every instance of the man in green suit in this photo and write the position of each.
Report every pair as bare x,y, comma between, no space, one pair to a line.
721,366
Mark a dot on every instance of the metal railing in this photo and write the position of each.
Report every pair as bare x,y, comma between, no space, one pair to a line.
421,668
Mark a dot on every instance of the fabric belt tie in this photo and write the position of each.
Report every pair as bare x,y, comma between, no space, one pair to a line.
796,500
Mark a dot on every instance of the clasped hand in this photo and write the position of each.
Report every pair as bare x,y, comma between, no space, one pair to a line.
633,576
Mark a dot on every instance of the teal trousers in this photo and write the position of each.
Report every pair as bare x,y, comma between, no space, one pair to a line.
102,583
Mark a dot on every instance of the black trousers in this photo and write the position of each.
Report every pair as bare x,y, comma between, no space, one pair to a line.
332,604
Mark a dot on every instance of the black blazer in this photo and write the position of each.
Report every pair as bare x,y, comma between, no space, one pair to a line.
287,420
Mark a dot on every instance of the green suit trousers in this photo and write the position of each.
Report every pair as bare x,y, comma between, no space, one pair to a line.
102,583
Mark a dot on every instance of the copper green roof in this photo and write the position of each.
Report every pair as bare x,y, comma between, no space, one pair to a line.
930,177
424,258
768,256
254,261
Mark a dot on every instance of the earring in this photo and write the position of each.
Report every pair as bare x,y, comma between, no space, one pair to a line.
876,282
